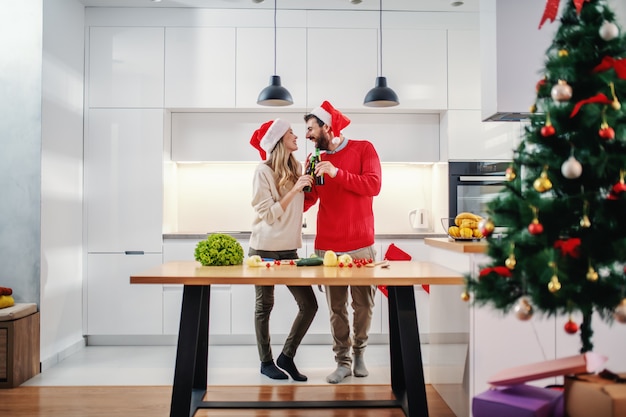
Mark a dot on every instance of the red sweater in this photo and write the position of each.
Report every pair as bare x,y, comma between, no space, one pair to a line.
345,218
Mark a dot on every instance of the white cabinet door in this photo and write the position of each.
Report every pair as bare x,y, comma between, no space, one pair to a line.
469,138
114,306
341,66
219,309
255,64
416,67
464,69
407,137
199,67
124,180
225,137
125,67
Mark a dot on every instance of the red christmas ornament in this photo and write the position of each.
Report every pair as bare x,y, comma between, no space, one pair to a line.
547,130
571,327
540,84
535,228
606,132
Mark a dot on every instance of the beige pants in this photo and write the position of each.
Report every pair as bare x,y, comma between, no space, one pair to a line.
362,305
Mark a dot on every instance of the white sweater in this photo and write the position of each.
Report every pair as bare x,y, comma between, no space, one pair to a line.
274,229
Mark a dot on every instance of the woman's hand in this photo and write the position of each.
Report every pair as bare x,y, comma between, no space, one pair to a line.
303,181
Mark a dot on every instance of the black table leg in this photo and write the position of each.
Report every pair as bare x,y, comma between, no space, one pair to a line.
190,373
407,370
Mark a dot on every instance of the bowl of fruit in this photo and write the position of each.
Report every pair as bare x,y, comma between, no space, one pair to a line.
463,227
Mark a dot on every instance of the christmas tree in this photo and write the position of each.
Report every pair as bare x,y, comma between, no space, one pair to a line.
563,208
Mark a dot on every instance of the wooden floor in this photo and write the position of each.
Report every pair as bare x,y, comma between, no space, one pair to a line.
141,401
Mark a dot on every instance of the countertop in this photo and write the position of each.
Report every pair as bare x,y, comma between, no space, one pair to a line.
246,234
457,246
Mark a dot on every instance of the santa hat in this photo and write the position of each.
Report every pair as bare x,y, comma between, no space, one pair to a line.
265,138
335,119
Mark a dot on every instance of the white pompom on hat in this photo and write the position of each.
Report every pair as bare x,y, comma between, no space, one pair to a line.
333,118
265,138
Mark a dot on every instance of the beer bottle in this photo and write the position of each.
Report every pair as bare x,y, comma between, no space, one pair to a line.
319,180
309,170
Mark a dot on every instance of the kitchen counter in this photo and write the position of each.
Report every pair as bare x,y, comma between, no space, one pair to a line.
246,234
457,246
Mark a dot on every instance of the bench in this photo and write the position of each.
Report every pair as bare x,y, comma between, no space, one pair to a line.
19,344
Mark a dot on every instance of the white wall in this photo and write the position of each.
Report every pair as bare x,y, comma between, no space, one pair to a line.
212,197
61,178
20,147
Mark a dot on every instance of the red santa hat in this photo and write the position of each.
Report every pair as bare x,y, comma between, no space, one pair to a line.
335,119
265,138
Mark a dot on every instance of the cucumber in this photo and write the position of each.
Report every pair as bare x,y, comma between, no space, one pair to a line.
313,261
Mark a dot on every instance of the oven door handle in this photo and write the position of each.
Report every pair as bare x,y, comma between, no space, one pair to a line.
484,178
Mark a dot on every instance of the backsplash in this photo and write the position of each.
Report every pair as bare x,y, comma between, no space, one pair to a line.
209,197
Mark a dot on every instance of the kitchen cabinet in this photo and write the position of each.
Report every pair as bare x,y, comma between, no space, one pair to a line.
341,66
416,66
463,70
125,67
469,138
397,137
255,64
200,67
124,180
225,136
113,305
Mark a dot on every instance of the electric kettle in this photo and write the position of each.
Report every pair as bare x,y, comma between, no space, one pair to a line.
419,219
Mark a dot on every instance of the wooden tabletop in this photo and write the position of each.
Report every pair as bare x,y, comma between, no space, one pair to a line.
398,273
457,245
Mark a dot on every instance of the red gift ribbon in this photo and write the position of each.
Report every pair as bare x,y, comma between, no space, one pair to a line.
608,62
598,98
500,270
569,247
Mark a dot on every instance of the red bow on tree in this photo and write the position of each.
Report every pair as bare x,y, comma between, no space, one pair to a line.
552,7
598,98
569,247
500,270
608,62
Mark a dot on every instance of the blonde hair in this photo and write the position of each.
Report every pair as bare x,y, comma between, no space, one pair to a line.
285,167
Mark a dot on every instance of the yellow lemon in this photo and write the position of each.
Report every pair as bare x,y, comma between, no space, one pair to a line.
330,258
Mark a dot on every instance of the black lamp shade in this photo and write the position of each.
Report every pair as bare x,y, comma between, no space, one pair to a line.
381,95
274,94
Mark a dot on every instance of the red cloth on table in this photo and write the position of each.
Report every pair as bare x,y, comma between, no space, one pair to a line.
394,253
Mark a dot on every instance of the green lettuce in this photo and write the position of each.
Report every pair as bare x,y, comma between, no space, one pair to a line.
219,249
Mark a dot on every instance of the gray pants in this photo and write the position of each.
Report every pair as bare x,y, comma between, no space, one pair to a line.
362,304
307,308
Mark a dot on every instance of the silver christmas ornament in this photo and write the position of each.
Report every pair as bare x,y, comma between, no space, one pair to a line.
523,310
609,31
571,168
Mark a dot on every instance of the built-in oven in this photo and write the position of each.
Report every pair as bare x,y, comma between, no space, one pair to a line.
473,184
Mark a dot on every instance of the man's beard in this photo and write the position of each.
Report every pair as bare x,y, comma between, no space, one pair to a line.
323,141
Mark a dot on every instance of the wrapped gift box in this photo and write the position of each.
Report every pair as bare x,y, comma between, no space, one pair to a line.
595,395
518,401
511,397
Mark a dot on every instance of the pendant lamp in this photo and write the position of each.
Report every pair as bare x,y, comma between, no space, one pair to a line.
274,94
381,95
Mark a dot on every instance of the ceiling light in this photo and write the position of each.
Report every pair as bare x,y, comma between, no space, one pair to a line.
274,94
356,1
381,95
457,3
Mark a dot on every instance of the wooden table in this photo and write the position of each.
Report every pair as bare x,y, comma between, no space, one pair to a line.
190,373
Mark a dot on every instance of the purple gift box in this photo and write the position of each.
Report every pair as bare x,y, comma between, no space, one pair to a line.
518,401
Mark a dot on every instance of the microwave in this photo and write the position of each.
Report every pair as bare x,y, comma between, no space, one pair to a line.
472,184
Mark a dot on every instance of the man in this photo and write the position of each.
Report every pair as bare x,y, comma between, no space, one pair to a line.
345,224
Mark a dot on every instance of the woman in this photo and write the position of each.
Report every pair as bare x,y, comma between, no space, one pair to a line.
278,201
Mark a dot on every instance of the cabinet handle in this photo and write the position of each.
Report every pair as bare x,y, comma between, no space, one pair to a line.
133,252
